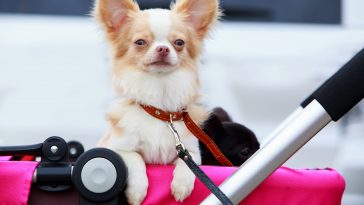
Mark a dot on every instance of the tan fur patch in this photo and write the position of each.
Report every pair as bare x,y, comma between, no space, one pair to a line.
193,46
113,14
201,14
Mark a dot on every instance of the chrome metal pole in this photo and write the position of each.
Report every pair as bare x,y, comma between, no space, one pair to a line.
281,126
303,126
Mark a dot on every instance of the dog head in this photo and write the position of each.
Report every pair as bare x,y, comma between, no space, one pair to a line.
236,141
157,40
155,51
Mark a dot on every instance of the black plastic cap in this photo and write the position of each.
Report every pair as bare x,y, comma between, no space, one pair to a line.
343,90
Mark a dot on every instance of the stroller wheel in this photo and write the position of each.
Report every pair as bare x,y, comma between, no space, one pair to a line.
54,149
99,175
75,149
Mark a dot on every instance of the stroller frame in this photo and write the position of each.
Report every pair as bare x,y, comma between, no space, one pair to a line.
329,102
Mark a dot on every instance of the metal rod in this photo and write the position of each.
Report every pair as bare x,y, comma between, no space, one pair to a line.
288,140
281,126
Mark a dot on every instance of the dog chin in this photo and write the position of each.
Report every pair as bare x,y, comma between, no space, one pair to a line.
160,68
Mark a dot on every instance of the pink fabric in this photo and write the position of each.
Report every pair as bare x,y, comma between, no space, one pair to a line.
5,158
15,181
284,186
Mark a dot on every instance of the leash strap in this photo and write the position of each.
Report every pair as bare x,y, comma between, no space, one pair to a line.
183,153
186,157
210,144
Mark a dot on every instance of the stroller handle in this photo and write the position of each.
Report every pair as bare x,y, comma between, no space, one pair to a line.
343,90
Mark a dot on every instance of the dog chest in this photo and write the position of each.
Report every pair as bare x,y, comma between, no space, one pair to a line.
156,142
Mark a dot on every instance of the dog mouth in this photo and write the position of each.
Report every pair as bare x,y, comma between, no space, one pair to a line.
160,64
160,67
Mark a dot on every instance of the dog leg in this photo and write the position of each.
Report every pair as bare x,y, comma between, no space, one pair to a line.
137,182
183,178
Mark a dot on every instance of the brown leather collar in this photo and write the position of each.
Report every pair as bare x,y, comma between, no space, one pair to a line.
192,127
162,115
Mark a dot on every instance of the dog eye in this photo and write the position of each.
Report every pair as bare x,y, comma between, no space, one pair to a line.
179,42
140,42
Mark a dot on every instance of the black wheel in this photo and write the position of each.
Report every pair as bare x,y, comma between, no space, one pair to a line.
75,149
99,175
55,149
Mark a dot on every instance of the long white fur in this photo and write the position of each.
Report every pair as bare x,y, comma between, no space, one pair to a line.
160,23
168,92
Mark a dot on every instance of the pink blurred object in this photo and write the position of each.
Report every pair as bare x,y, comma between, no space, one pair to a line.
284,186
15,181
5,158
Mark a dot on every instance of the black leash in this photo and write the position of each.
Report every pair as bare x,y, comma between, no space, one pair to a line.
186,157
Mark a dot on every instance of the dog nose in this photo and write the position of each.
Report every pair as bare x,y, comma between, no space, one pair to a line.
162,50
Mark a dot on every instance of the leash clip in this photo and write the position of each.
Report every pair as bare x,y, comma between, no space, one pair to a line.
179,145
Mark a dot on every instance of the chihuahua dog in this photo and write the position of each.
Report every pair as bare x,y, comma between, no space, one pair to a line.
155,56
236,141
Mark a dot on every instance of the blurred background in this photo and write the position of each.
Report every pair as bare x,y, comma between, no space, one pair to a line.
263,59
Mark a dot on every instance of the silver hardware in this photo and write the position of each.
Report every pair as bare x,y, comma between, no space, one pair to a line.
34,177
157,112
54,149
73,151
179,144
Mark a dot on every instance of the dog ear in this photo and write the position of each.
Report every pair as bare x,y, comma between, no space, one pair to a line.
113,14
222,114
201,14
213,127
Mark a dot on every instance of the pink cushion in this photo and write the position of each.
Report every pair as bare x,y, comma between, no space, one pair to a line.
15,181
284,186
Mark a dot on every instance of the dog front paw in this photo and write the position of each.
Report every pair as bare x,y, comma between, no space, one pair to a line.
182,186
137,190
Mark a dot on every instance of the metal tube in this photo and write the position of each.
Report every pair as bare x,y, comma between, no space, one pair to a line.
281,126
266,160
